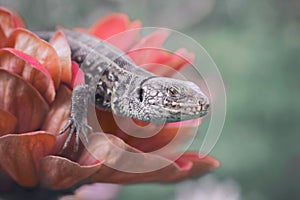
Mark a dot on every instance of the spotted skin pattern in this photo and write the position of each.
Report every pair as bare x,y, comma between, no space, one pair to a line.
115,83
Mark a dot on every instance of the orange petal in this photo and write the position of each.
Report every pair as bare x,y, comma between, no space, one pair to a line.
173,62
61,45
29,69
26,42
21,155
23,101
59,111
125,39
114,24
58,115
103,148
198,166
110,25
2,38
155,142
8,122
61,173
9,21
146,48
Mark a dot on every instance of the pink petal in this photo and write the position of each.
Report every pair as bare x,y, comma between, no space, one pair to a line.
26,42
125,39
145,50
199,165
23,101
29,69
21,155
61,45
8,122
173,62
110,25
113,24
61,173
77,75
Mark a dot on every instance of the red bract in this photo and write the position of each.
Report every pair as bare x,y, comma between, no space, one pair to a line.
36,81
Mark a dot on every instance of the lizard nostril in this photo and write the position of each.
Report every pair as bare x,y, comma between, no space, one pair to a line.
203,105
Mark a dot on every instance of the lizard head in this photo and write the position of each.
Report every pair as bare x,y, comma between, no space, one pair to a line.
170,100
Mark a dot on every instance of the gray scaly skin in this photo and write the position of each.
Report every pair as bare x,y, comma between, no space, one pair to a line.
115,83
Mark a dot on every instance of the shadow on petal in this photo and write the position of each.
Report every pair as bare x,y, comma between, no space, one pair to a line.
29,69
61,45
23,101
8,122
60,173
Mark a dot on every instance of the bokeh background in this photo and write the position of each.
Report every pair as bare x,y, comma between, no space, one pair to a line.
256,45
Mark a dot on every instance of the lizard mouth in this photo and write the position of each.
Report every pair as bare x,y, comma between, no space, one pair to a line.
190,112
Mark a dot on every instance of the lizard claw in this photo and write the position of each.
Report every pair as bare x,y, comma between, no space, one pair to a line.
76,128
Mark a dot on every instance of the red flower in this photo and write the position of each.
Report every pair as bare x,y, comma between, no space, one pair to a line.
36,81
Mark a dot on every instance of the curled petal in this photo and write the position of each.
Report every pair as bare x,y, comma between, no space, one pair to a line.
23,101
193,165
29,69
146,50
8,122
9,21
60,173
21,155
26,42
61,45
112,151
166,63
115,26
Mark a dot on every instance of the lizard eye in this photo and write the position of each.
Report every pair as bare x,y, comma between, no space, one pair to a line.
172,91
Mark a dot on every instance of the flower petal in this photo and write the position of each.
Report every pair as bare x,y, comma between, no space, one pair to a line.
77,75
26,42
59,111
29,69
58,115
112,25
21,154
103,147
60,173
197,165
8,122
9,21
23,101
61,45
146,50
164,136
172,61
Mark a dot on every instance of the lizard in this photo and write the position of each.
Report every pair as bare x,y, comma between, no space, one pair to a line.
114,82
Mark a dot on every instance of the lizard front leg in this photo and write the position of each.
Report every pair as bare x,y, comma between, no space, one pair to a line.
77,122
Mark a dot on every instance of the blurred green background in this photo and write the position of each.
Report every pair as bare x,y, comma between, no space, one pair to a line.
256,45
